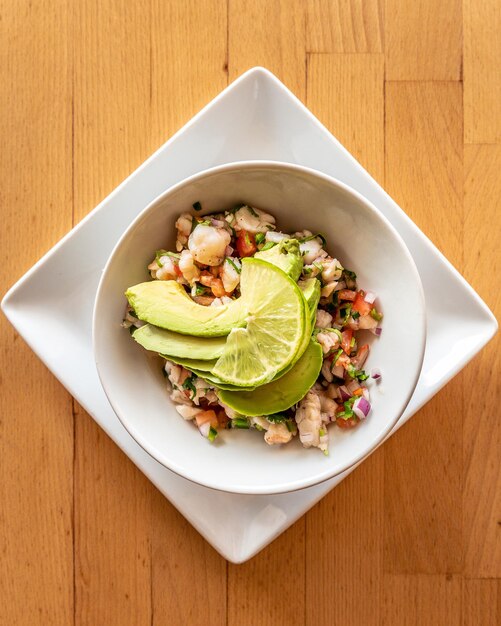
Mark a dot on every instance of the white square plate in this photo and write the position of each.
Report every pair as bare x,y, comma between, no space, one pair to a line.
256,117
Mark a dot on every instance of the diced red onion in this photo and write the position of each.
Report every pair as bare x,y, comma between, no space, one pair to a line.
343,393
204,429
370,297
338,371
376,331
375,373
228,251
217,223
361,408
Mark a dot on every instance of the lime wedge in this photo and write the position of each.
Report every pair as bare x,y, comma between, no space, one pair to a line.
274,330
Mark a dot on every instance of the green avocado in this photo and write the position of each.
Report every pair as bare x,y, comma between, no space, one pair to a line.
197,366
165,303
176,345
280,394
311,291
285,255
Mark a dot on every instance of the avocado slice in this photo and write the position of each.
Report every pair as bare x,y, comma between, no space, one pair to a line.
286,255
311,291
176,345
197,366
280,394
165,303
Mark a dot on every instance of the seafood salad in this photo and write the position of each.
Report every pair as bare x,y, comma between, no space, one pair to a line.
257,328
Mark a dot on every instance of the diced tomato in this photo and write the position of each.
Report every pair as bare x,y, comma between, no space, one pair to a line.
177,269
347,294
361,356
246,244
345,424
346,340
360,305
207,416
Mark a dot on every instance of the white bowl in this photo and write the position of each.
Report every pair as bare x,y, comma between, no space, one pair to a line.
357,234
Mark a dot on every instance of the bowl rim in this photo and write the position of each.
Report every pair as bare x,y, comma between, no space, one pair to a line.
319,477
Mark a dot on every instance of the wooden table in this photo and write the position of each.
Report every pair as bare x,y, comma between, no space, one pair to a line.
89,89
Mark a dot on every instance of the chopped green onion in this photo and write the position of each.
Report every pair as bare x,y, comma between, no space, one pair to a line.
337,355
212,434
260,237
307,270
376,315
358,374
291,426
322,432
268,245
352,342
197,206
355,315
235,266
199,289
240,422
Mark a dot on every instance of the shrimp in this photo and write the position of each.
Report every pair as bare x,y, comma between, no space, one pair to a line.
324,319
332,270
188,268
183,224
208,244
187,412
163,268
328,341
312,250
253,220
309,420
277,434
229,273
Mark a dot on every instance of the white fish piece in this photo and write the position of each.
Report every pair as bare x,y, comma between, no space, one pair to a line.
208,244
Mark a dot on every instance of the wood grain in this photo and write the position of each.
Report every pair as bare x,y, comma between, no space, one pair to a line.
111,118
36,424
188,68
270,589
90,89
271,34
423,461
415,600
344,537
112,532
481,602
345,25
482,71
482,429
423,39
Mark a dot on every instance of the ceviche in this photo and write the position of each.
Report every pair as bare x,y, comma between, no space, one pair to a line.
258,328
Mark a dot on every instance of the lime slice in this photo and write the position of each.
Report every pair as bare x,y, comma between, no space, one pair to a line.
274,330
280,394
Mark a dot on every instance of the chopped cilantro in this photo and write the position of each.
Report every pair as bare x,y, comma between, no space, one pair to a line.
355,315
376,315
277,418
350,278
188,384
311,237
197,206
260,237
358,374
291,425
337,355
252,212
